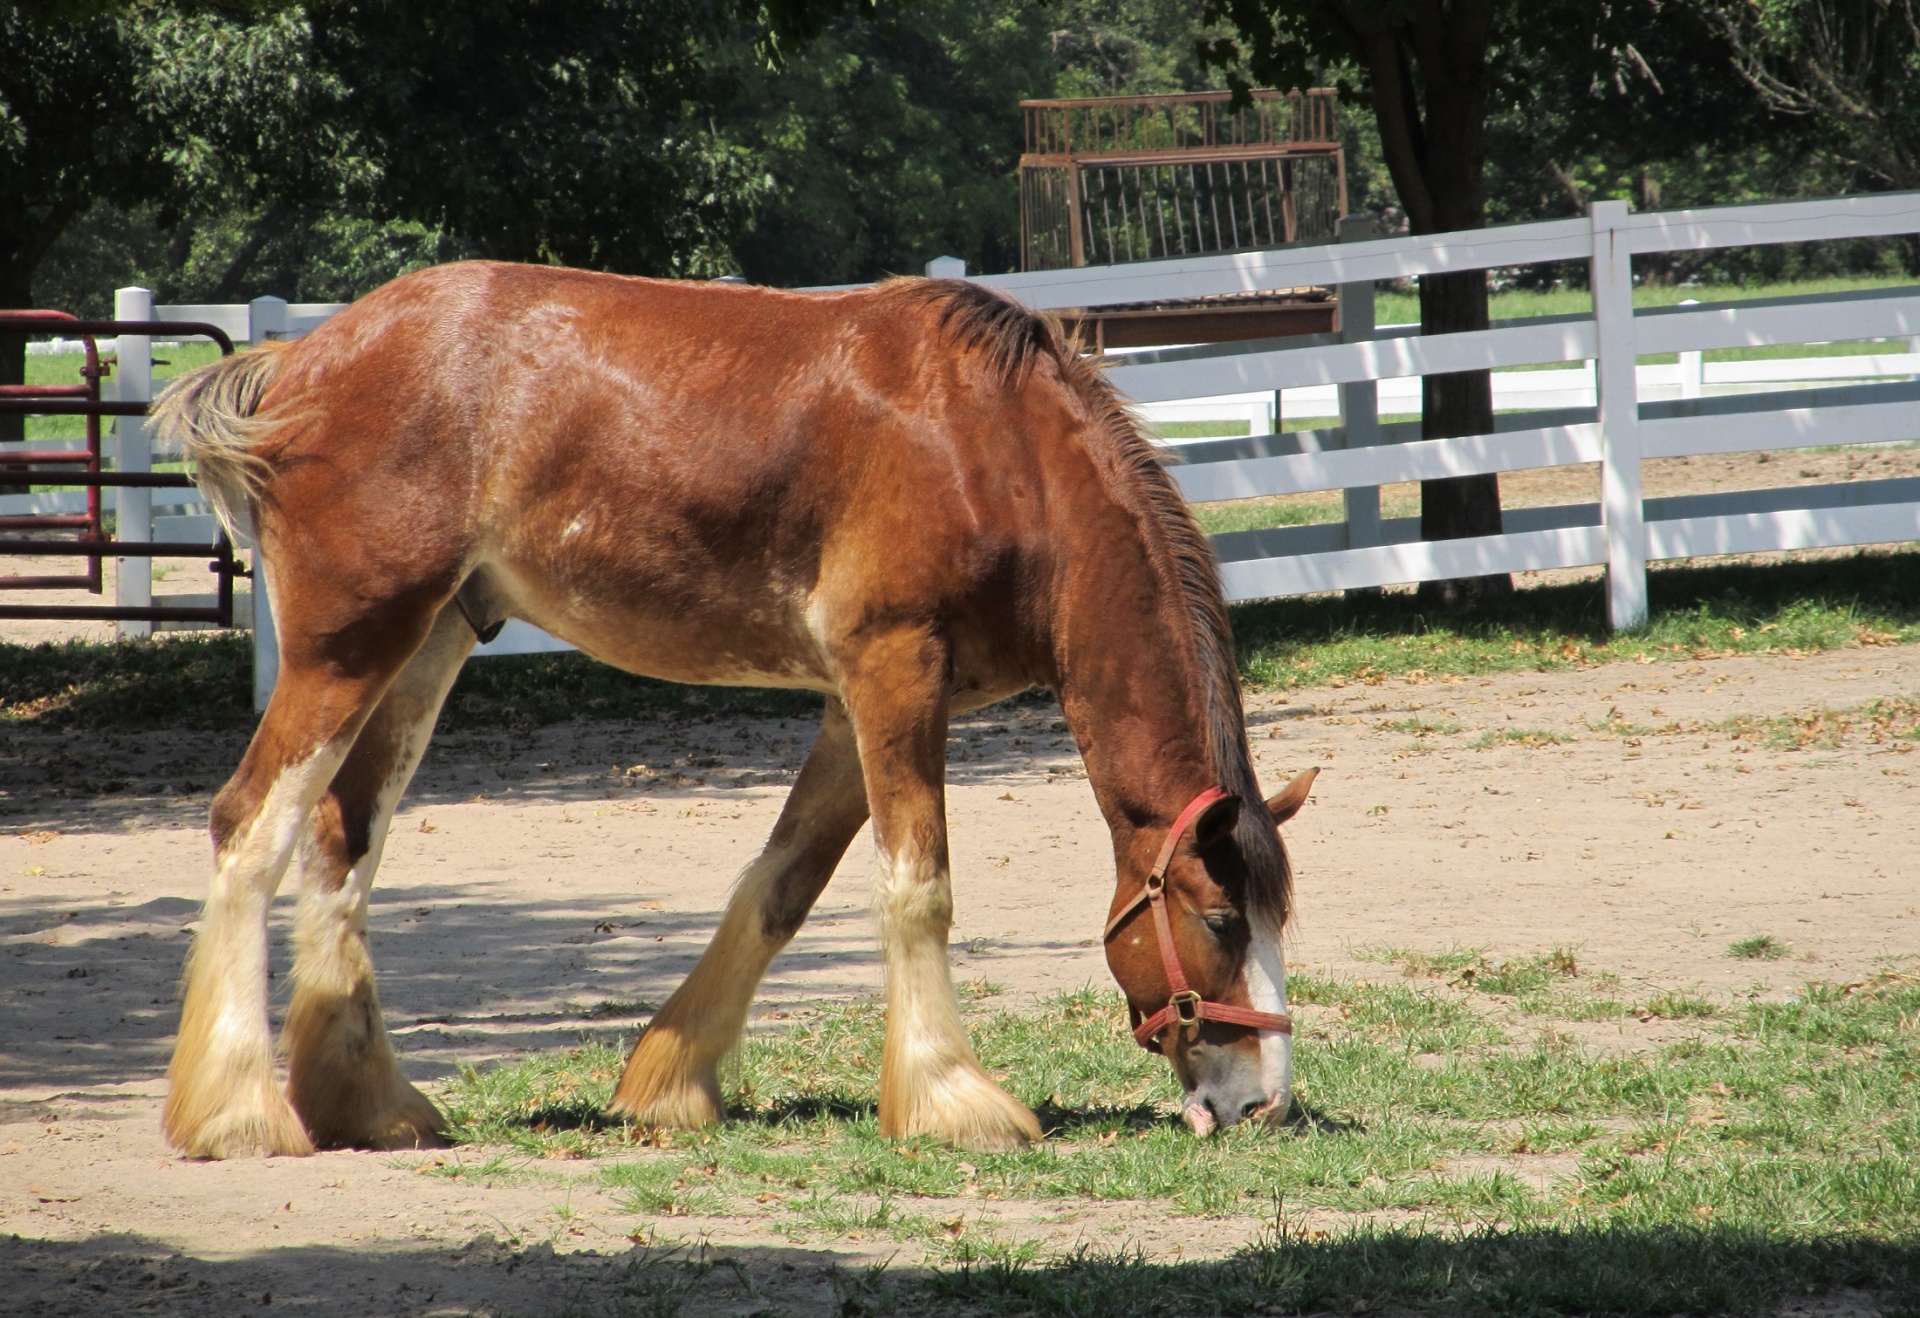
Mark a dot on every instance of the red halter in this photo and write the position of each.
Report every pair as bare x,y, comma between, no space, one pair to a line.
1186,1008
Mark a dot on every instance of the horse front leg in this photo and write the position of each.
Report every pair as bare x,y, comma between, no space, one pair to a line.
673,1077
342,1076
931,1083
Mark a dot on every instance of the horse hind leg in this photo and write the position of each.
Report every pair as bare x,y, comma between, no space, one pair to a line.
673,1077
222,1099
342,1076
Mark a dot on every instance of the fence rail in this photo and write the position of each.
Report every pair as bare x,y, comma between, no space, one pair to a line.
1591,410
1623,531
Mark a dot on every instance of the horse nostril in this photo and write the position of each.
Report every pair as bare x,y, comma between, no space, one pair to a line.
1251,1107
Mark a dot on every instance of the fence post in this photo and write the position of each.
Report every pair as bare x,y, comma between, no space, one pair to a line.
266,319
1360,400
1692,369
946,267
1621,512
133,509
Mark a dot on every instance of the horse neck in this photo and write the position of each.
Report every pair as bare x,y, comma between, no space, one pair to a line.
1131,685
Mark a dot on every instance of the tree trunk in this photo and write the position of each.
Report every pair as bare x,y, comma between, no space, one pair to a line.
1458,404
16,294
1427,66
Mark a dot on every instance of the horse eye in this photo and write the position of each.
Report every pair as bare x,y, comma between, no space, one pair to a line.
1222,922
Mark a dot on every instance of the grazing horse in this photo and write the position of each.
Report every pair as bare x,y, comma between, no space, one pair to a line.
915,499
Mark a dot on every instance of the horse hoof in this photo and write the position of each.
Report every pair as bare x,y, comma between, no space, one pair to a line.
965,1108
414,1124
406,1119
266,1129
685,1106
663,1089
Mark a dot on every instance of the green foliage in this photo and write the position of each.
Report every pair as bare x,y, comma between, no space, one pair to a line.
887,143
896,139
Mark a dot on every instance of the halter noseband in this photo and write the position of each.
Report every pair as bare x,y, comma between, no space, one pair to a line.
1186,1008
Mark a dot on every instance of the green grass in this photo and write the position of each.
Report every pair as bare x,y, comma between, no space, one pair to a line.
1704,612
1772,1148
1259,514
204,681
1393,308
1893,720
1760,947
1495,738
1419,727
65,369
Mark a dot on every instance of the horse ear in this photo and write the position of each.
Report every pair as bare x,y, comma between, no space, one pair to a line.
1294,795
1216,821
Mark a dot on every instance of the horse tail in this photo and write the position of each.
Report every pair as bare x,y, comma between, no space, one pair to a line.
210,413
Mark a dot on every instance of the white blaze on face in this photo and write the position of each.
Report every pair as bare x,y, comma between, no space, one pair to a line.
1266,977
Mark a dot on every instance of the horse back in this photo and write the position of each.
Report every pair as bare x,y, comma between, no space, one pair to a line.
648,467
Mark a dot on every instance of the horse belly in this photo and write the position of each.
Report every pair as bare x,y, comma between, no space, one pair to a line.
675,627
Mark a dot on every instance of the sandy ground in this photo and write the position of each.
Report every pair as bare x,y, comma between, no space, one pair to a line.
530,877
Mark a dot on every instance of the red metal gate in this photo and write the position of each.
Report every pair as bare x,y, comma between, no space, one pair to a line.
82,468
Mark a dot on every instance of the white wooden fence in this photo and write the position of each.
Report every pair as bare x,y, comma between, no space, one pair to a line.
1617,429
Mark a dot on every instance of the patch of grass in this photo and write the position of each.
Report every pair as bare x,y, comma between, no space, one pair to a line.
536,690
1494,738
1889,721
1776,1126
1259,514
1419,727
1639,1273
1760,947
175,680
1522,974
610,1009
1678,1007
204,680
1865,599
1399,308
1424,965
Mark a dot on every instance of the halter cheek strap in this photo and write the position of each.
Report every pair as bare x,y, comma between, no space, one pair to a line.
1185,1008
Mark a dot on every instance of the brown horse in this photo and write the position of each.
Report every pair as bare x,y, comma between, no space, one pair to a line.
915,499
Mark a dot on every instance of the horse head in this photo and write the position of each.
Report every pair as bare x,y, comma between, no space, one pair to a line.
1197,952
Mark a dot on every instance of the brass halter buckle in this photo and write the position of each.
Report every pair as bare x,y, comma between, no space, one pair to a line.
1186,1013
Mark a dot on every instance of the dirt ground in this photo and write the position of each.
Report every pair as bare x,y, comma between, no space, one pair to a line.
531,877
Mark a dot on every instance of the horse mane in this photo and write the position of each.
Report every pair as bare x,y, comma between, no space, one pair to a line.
1010,339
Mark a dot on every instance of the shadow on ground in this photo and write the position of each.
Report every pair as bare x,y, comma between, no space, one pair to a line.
102,781
1633,1273
461,977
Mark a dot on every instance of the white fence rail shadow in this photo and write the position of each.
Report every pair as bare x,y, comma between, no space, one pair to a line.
1599,406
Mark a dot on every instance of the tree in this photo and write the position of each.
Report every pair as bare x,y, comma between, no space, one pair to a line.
64,97
1846,68
1434,71
896,137
562,130
573,131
